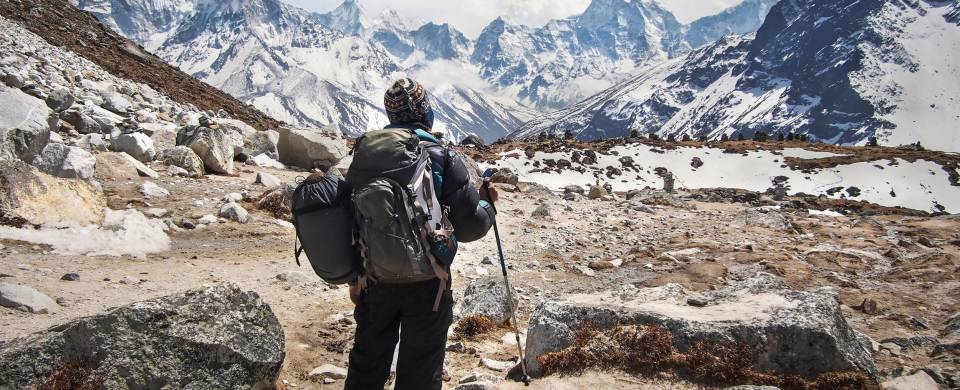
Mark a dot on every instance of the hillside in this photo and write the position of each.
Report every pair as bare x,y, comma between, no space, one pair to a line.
65,26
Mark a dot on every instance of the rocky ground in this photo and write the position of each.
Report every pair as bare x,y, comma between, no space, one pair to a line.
895,276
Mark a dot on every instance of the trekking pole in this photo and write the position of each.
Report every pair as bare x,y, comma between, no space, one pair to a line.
506,280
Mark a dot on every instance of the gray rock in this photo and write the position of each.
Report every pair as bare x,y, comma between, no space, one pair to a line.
70,277
177,171
26,298
597,192
60,99
479,377
218,337
472,168
505,176
92,142
116,103
262,142
763,217
696,162
262,160
28,196
268,180
790,332
183,157
496,365
918,381
163,138
151,190
487,297
573,189
234,212
328,371
343,166
66,161
311,149
120,166
25,125
542,211
82,122
297,278
137,145
213,146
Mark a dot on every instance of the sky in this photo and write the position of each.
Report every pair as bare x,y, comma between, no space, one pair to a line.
471,16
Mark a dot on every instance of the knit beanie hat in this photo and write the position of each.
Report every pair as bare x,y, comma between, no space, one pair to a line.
407,102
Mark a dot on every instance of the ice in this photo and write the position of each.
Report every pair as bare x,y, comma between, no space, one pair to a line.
123,233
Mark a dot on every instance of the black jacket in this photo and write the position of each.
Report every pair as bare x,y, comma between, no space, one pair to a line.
471,217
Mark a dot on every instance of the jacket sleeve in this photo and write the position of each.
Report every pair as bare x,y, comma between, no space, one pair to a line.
471,217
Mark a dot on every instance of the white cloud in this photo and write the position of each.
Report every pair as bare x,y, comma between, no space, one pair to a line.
471,16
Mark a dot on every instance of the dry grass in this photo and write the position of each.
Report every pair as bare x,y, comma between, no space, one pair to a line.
473,327
72,375
647,350
274,203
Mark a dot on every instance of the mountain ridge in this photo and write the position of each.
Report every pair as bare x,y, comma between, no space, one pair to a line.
840,74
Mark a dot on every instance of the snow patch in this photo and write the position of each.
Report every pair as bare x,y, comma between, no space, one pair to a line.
123,233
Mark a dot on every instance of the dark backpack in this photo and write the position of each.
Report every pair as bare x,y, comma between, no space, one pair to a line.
323,218
398,216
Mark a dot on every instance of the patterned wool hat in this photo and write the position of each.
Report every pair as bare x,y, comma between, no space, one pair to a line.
407,102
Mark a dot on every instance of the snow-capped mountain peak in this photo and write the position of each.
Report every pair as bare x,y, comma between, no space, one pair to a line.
350,17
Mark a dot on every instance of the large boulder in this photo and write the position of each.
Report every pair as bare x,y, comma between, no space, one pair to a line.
213,338
26,298
763,217
251,141
788,331
214,147
121,166
487,297
116,103
311,148
66,161
137,145
25,125
183,157
28,196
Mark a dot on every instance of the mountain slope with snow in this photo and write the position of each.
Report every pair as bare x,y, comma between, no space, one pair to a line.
568,60
290,64
835,71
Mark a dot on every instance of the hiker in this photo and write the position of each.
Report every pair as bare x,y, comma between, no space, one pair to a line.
392,307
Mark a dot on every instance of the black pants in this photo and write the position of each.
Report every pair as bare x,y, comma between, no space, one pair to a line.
387,313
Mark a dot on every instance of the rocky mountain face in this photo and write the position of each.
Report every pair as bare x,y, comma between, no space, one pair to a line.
568,60
315,70
840,73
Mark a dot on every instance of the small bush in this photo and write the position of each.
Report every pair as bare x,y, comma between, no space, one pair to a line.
473,327
649,350
72,375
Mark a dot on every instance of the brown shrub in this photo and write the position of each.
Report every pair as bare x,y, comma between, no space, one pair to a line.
275,203
649,350
72,375
473,327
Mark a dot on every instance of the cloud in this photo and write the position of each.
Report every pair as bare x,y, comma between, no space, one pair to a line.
471,16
